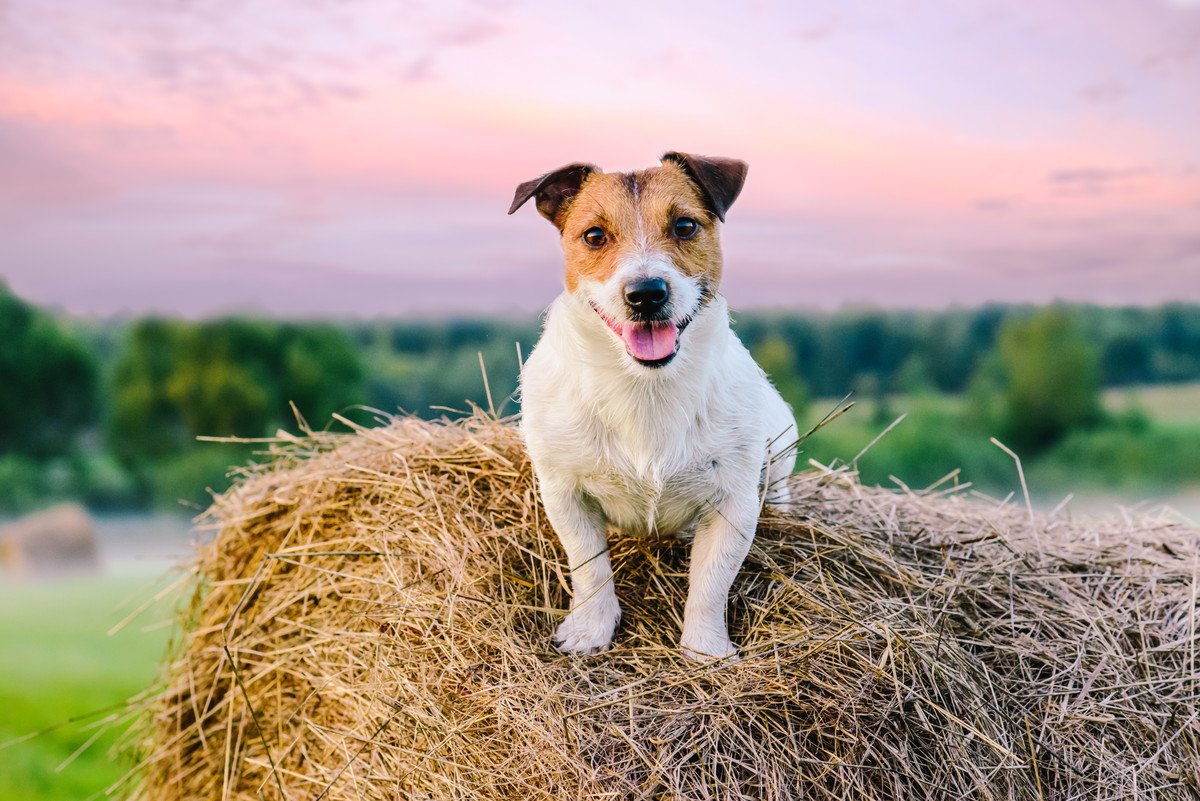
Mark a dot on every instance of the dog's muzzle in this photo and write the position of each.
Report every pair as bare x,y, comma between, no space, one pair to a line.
651,343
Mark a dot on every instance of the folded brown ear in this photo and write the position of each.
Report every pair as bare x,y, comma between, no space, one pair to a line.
553,190
719,179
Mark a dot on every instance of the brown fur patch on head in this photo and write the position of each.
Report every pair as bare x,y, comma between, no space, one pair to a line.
637,212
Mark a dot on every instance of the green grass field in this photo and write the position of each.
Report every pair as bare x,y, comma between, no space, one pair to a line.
1165,403
1159,456
57,663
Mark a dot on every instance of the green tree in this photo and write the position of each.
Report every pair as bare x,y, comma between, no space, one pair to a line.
322,372
175,381
144,423
227,378
49,381
1050,380
778,361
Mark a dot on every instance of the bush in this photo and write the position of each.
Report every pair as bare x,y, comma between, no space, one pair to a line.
102,483
1126,456
1050,380
22,483
777,359
187,479
932,441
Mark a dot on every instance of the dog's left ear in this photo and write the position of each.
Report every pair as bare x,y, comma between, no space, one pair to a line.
553,190
719,179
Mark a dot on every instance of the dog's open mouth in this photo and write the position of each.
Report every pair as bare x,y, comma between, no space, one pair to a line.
650,343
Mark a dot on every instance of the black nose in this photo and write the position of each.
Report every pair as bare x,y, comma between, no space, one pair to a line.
646,296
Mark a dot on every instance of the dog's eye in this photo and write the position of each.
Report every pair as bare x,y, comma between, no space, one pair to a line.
685,228
594,237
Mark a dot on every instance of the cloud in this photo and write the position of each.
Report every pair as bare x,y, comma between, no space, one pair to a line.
262,58
35,175
1109,90
249,77
817,33
1095,181
1185,48
992,204
1187,248
419,69
467,34
829,27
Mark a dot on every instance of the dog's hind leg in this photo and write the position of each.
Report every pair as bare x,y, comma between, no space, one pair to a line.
595,611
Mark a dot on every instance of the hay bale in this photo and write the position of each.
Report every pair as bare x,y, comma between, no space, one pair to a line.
374,616
61,538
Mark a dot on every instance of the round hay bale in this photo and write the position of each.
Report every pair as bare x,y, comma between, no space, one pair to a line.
373,621
61,538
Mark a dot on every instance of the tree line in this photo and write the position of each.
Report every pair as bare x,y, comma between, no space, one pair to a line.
111,411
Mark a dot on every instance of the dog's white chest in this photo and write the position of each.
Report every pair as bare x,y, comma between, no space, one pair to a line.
655,452
641,502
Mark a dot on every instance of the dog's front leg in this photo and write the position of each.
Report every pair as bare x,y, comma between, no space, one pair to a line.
580,527
720,546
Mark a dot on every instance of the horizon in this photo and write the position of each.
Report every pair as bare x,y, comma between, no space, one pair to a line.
355,159
521,316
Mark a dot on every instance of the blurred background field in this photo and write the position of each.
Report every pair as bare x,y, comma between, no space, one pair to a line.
1099,402
110,411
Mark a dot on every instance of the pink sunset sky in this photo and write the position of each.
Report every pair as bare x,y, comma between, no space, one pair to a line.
357,157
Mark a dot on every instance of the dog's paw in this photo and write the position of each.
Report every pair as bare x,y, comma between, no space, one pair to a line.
589,629
709,648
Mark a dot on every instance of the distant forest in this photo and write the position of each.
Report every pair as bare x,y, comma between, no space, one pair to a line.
419,364
109,411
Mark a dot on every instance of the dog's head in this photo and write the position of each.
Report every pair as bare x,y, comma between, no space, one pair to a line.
642,248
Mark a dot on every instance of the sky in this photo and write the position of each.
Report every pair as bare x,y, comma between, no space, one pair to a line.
357,157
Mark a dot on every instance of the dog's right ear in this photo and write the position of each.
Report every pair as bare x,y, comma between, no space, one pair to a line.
553,190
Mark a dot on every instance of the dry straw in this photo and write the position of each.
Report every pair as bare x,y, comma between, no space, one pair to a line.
372,621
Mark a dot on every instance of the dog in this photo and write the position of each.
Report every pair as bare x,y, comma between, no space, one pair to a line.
641,409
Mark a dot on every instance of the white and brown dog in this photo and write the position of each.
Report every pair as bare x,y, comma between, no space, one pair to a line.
641,409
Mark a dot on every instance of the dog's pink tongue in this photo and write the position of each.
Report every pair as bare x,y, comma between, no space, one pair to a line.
649,341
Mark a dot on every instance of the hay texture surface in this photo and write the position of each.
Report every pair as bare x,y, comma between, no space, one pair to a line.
374,615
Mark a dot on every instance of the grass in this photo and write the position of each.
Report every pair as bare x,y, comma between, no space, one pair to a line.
1153,451
929,443
1164,403
56,663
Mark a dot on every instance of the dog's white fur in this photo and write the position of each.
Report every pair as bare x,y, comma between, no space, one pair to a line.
696,445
